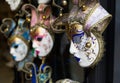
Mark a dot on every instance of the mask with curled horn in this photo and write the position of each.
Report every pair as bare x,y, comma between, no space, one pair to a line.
18,40
40,15
42,36
7,26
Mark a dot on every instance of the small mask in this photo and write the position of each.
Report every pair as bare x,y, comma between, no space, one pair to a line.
19,41
42,41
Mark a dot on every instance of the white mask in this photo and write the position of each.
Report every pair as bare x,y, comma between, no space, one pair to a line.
14,4
86,51
42,42
18,49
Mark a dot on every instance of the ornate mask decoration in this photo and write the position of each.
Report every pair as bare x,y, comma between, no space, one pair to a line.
40,29
40,15
86,41
19,38
19,41
44,74
39,75
85,24
14,4
86,49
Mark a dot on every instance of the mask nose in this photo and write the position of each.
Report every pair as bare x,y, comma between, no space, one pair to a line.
12,51
34,44
72,49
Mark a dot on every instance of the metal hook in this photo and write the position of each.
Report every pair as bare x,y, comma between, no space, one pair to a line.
61,8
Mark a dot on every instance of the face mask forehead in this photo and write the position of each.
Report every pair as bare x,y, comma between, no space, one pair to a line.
17,38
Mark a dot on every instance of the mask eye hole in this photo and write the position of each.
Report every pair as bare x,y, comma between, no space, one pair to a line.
39,39
16,46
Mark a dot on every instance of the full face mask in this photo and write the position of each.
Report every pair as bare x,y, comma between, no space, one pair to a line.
18,38
85,48
42,41
19,41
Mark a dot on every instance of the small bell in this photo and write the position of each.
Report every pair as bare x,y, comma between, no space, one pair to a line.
30,74
84,8
60,12
28,19
64,2
88,44
44,17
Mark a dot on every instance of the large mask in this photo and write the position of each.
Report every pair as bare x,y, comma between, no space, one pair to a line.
18,38
85,24
86,35
85,48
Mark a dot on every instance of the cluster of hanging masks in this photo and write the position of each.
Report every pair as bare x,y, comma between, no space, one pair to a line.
84,25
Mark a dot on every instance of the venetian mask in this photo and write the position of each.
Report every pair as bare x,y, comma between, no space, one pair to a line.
42,41
19,41
18,48
85,48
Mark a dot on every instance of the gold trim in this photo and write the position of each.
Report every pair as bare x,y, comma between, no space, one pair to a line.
107,18
101,48
12,38
90,13
34,28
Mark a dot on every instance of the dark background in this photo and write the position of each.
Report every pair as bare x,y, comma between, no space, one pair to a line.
106,71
